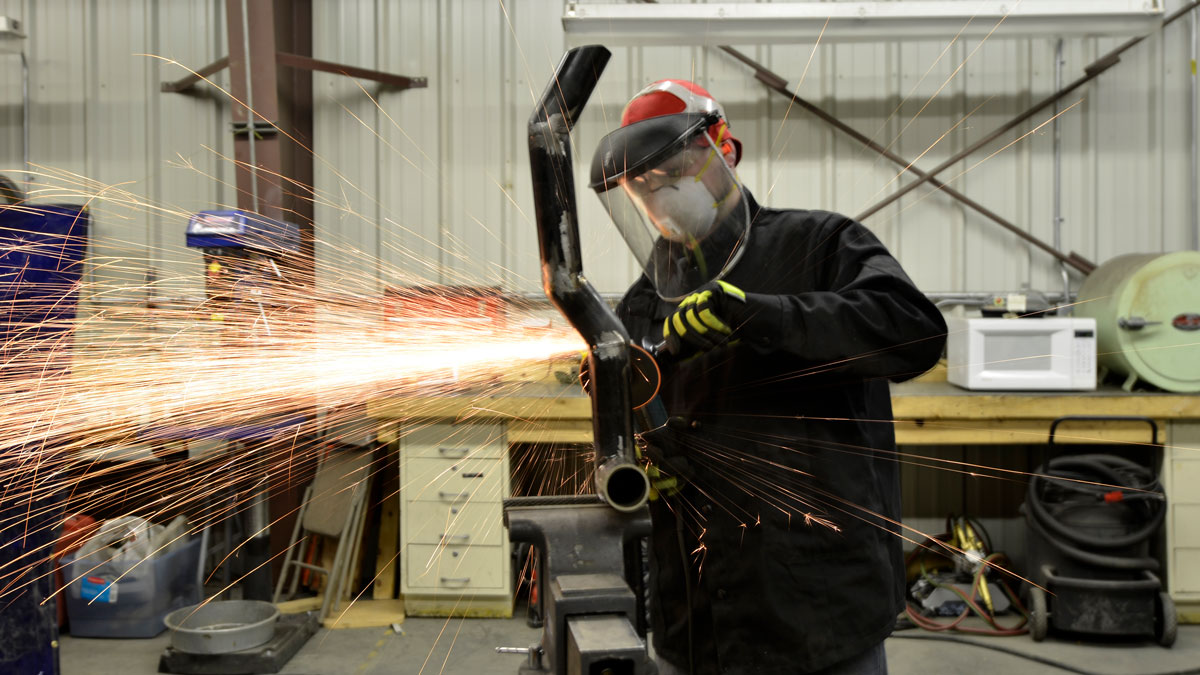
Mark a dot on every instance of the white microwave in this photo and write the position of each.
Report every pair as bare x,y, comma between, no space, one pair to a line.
1007,354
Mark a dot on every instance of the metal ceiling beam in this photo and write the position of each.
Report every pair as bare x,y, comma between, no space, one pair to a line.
276,178
184,83
716,24
301,62
309,63
776,83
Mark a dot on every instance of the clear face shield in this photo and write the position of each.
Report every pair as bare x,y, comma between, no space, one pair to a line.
677,203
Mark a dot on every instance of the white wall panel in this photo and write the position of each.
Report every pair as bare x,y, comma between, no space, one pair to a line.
1173,83
475,99
536,45
347,147
410,166
924,100
10,98
188,138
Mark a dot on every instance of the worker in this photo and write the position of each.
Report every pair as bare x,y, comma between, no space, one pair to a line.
775,544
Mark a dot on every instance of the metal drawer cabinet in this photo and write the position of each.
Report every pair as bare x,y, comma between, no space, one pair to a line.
453,482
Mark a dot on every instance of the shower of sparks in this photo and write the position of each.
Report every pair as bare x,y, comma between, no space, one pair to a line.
106,399
134,373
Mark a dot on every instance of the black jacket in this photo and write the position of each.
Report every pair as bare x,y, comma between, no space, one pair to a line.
782,542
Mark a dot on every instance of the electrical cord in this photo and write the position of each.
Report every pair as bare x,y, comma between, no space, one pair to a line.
1019,654
1090,558
972,607
687,586
966,537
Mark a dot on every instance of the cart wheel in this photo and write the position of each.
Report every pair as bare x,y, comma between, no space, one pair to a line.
1039,616
1168,621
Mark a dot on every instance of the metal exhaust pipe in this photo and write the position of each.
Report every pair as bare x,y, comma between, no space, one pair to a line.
618,479
622,484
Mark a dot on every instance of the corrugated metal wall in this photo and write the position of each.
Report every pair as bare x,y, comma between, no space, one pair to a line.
431,184
1125,161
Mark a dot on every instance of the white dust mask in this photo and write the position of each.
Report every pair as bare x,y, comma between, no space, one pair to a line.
683,211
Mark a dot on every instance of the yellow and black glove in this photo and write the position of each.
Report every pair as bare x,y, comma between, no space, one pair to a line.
664,452
661,484
705,319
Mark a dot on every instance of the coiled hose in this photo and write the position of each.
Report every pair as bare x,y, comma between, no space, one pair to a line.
1098,479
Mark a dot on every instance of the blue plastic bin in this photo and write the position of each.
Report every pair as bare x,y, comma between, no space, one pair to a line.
134,605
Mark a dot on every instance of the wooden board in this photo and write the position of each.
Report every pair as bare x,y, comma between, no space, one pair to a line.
389,545
328,552
300,605
550,431
543,414
353,573
940,400
474,607
367,614
911,400
1017,432
464,408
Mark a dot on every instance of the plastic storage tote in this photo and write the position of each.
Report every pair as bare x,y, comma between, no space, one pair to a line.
103,604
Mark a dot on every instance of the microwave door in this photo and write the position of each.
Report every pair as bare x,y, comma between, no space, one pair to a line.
1017,355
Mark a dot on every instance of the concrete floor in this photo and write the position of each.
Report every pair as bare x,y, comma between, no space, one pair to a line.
456,646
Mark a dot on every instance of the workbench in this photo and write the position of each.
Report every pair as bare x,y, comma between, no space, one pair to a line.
926,412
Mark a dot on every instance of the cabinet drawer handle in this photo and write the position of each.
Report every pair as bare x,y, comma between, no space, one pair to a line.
452,537
472,474
455,452
456,580
454,496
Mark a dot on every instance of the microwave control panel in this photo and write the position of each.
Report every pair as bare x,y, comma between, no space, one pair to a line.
1085,353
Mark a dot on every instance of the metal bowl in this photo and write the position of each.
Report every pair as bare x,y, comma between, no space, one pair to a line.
222,626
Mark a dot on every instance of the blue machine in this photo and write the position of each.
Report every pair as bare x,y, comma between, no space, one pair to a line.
234,230
241,250
41,264
246,256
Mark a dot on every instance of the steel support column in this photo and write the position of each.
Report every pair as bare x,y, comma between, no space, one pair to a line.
251,31
293,35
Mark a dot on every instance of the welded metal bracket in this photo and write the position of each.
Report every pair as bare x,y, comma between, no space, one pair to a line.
301,63
259,128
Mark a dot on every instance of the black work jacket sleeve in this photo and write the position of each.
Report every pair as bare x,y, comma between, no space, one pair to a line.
865,318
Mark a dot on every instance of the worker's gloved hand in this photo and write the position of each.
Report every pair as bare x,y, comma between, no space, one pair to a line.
706,319
665,452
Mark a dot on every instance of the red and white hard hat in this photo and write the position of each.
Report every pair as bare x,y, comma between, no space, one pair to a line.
668,97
